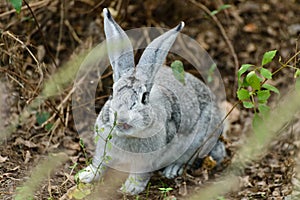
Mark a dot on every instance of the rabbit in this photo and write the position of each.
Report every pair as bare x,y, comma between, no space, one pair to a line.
151,111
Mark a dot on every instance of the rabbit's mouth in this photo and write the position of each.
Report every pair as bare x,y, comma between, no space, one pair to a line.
124,126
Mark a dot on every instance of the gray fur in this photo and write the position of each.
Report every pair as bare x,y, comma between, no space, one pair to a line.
155,54
119,47
154,111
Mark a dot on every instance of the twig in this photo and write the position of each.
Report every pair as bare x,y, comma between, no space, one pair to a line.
18,82
41,32
95,7
34,58
283,65
211,135
34,5
59,107
61,25
74,34
224,34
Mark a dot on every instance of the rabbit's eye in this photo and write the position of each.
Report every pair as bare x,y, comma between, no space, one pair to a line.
145,97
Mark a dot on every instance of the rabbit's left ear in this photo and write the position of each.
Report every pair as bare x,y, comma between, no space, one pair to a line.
119,47
155,54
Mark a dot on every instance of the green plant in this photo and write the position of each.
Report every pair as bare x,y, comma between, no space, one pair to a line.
222,7
253,89
165,191
178,71
105,158
17,4
211,71
81,143
43,117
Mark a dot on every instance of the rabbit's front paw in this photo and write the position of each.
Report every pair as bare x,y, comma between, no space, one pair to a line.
173,170
135,184
89,174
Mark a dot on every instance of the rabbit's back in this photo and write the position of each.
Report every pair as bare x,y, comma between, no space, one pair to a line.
200,115
193,96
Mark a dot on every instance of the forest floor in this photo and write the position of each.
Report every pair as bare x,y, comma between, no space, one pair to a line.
32,55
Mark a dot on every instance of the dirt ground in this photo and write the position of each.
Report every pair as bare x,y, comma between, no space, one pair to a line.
31,54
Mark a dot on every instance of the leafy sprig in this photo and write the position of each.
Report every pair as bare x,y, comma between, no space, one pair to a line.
17,4
253,89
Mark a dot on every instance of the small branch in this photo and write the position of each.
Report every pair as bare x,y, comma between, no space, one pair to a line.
34,5
34,58
224,34
73,32
41,32
61,26
212,134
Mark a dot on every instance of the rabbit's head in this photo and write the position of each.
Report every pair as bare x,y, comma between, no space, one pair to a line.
131,98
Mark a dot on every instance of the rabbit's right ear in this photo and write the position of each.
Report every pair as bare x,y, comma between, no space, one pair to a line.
119,47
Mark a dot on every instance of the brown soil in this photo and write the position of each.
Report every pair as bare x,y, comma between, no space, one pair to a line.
67,28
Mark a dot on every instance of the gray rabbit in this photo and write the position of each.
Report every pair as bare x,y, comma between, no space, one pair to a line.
156,122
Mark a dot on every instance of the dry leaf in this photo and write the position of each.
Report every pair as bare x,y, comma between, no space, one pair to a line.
3,159
250,28
27,157
26,143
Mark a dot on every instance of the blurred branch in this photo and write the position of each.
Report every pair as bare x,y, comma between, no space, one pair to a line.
33,5
42,34
225,36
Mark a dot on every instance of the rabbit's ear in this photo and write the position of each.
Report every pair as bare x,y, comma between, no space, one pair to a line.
119,47
155,54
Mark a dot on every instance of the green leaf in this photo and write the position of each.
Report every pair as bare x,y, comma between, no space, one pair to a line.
241,71
211,72
81,143
263,109
268,57
266,73
297,73
48,127
42,117
178,71
115,119
244,68
96,139
222,7
253,80
248,104
271,88
107,159
214,12
17,4
165,189
263,96
243,94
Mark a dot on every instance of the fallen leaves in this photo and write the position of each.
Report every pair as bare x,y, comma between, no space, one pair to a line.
27,143
3,159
